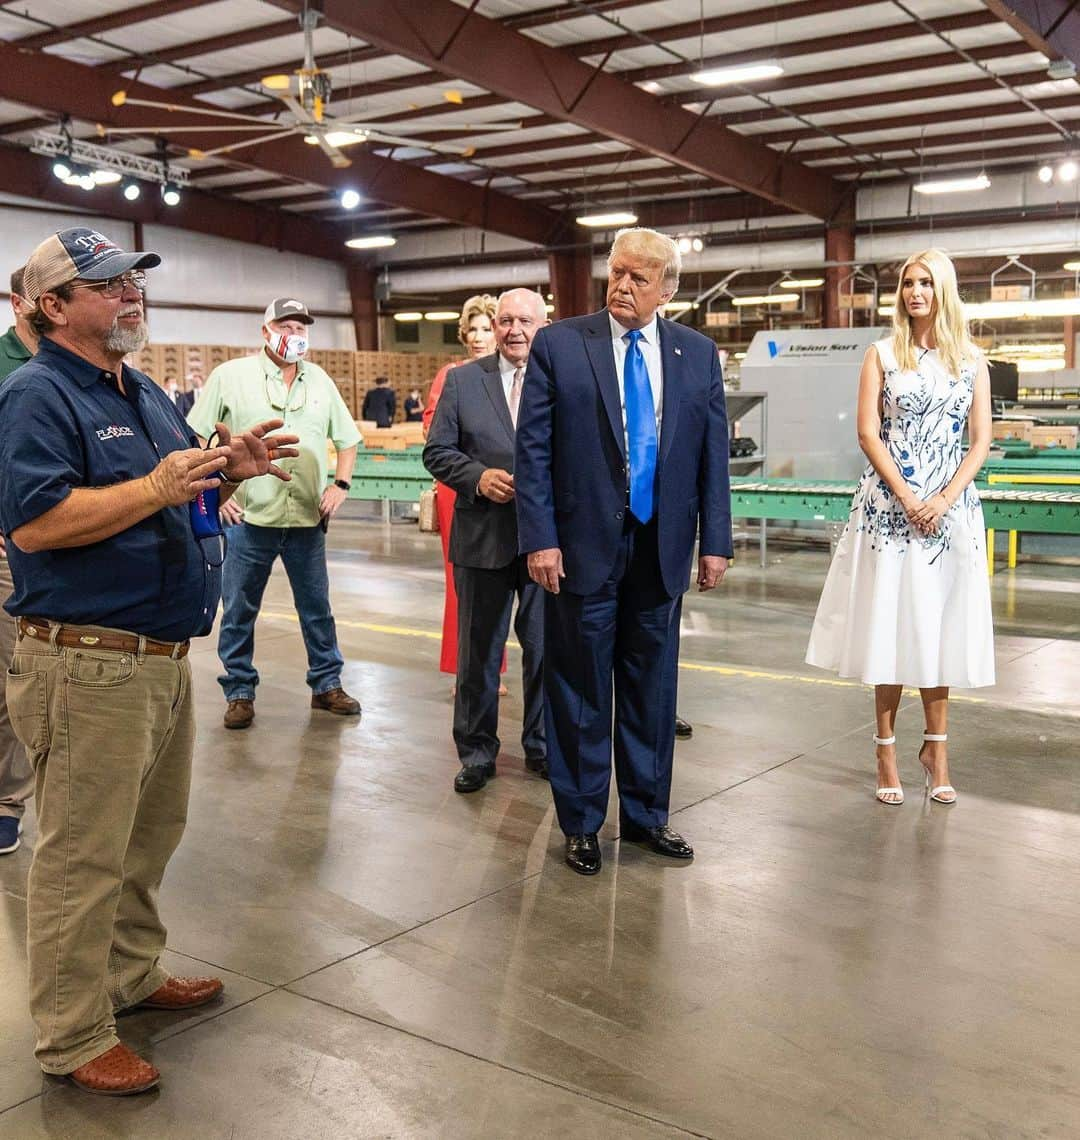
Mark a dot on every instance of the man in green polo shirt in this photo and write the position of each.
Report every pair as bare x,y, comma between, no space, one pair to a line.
290,524
17,345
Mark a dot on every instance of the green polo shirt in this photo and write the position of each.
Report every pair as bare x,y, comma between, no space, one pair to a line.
13,353
245,392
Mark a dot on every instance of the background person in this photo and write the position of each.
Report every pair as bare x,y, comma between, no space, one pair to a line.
414,407
907,599
380,403
622,452
110,583
17,346
279,521
471,449
476,331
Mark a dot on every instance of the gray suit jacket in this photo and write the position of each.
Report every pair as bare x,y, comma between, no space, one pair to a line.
471,432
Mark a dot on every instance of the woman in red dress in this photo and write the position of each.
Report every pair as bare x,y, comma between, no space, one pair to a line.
477,333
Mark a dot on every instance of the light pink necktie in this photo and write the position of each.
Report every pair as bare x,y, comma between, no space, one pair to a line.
515,394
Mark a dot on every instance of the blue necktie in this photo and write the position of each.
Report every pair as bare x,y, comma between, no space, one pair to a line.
640,428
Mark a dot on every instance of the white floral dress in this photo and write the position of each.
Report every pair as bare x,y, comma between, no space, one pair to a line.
899,607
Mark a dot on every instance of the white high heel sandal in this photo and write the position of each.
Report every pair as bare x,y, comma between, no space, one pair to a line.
881,793
943,793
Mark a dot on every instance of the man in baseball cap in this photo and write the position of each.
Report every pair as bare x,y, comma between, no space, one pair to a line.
268,525
79,254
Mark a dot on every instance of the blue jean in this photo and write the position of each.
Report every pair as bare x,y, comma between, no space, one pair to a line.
252,551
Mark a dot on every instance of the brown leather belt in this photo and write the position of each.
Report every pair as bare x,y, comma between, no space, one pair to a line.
87,637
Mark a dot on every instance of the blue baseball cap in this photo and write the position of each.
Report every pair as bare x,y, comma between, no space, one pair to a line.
80,253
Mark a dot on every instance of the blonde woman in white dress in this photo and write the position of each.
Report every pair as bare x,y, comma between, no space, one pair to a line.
907,598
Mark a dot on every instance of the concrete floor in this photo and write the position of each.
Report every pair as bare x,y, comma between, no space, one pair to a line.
401,961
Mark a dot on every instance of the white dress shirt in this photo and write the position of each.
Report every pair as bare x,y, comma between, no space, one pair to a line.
650,350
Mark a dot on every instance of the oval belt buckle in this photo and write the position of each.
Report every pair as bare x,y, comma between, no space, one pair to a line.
87,639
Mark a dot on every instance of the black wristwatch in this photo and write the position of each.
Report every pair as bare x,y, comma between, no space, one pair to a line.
342,484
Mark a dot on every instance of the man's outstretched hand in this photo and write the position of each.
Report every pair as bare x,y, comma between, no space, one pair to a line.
254,452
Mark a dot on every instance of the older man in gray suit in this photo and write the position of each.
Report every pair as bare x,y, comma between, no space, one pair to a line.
471,448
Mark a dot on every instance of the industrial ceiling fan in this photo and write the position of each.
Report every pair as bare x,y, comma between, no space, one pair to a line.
305,94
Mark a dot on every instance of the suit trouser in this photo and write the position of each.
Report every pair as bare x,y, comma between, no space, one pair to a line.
485,599
626,636
110,737
16,775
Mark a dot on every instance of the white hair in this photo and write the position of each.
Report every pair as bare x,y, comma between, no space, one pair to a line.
532,294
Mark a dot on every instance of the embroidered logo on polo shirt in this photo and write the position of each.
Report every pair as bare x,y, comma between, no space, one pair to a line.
114,431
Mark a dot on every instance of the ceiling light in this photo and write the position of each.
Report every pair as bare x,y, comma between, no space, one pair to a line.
350,199
1067,171
606,221
886,310
953,185
1055,307
1072,266
1041,364
105,177
549,307
766,299
408,316
720,76
1046,173
61,169
802,282
442,315
740,355
679,306
372,241
1028,349
132,190
338,138
170,195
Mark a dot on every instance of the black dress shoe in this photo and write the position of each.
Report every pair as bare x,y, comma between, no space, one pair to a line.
537,764
583,853
473,777
683,728
661,839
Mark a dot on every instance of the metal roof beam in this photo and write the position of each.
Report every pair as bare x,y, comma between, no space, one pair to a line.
104,23
1049,26
58,85
456,41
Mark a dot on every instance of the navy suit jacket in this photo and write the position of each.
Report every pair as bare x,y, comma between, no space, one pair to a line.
570,468
472,431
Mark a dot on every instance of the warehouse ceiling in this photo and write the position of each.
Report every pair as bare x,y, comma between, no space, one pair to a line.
600,97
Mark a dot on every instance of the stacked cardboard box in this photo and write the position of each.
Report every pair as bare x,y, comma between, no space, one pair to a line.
1012,429
1053,435
340,365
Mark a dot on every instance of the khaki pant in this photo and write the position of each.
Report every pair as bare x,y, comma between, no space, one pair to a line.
110,737
16,775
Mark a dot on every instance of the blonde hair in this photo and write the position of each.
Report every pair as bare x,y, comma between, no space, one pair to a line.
651,246
948,325
482,305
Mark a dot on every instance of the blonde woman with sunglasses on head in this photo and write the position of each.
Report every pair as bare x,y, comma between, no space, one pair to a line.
907,598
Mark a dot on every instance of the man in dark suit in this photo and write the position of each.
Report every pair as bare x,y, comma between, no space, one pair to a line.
471,448
622,451
380,403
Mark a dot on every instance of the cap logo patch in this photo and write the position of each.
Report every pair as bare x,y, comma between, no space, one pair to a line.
291,305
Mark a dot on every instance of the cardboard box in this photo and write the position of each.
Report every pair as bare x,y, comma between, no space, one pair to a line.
1053,435
1012,429
1010,293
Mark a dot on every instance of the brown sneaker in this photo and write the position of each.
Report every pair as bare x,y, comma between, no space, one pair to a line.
239,714
119,1072
183,993
336,701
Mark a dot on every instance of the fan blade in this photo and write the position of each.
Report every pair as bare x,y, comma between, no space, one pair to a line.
192,128
246,143
440,124
129,102
301,112
419,144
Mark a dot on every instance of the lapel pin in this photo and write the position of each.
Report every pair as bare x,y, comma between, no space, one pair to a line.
678,352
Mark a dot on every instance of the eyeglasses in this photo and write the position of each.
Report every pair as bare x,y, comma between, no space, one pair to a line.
115,286
285,407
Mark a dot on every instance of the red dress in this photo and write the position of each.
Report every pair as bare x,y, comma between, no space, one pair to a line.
444,508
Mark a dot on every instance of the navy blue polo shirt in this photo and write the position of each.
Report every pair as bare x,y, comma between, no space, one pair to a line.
65,424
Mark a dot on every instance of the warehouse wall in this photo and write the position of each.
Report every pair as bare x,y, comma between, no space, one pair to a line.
199,272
